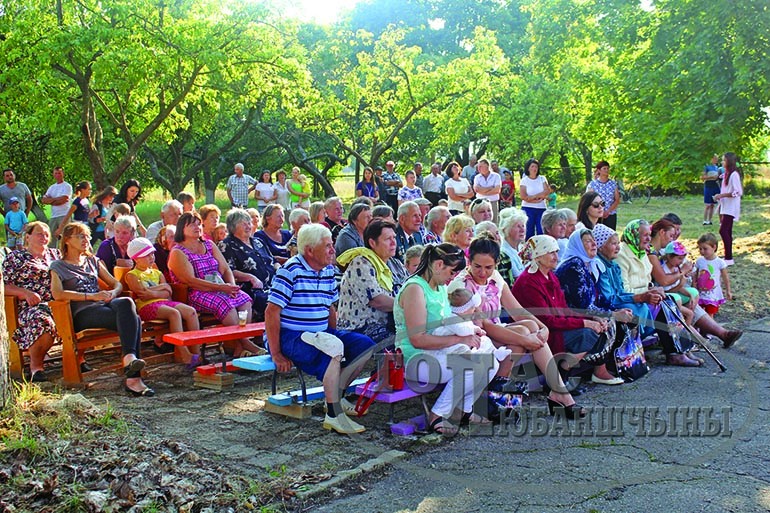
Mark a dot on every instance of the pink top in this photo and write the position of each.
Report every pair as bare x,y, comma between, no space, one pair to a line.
731,205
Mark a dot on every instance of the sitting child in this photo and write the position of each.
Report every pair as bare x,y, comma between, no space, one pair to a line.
672,260
412,258
464,305
711,272
153,298
220,233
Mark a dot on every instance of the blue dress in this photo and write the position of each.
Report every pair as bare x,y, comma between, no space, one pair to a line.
613,296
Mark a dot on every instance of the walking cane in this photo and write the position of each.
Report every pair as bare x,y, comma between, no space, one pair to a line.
694,335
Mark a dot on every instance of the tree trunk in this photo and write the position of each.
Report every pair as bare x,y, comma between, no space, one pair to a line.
5,379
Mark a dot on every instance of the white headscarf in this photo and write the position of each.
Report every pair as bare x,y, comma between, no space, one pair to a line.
537,246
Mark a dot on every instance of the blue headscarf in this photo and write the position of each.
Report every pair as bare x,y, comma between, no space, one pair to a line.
575,248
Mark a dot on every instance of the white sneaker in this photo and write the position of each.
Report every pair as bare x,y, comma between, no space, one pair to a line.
324,342
342,424
730,262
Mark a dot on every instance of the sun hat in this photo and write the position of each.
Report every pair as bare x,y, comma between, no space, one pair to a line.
140,247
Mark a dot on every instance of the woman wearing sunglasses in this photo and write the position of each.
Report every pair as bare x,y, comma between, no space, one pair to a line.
590,210
608,190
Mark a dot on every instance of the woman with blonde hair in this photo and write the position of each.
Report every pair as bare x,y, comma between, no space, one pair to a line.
459,231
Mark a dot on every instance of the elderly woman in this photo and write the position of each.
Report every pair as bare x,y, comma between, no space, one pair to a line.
572,220
199,264
533,189
590,210
420,308
352,235
252,264
481,210
26,276
272,234
513,229
636,271
539,289
434,223
298,218
210,215
114,251
578,274
76,277
459,231
554,223
368,285
526,335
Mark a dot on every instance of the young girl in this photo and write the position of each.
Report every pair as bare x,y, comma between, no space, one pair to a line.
412,258
711,273
220,232
79,211
98,214
729,203
153,297
672,258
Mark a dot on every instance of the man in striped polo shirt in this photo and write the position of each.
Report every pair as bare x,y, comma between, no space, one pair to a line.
300,324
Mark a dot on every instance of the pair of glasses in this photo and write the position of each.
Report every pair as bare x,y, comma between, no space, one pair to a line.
597,205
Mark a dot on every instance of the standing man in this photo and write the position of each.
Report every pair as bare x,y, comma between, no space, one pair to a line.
418,174
487,186
11,188
301,325
58,196
433,184
469,171
392,184
239,186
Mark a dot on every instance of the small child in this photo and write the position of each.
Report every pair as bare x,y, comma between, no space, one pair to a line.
507,191
551,198
80,209
711,272
464,305
15,223
115,211
412,258
220,232
672,260
153,297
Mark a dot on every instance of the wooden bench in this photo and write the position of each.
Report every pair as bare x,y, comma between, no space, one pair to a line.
15,354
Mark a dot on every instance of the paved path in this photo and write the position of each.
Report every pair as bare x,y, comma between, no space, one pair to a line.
597,471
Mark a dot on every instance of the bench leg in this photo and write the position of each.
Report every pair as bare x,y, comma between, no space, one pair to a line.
302,385
16,357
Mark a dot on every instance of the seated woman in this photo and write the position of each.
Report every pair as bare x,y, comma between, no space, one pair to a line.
153,298
578,274
252,264
513,229
272,234
164,242
113,252
199,264
298,218
526,335
368,286
26,275
663,233
76,277
538,288
636,271
481,210
420,307
459,231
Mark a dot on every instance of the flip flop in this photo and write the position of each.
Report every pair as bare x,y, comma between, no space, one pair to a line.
443,427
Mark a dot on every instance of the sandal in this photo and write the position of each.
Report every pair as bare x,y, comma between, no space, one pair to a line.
442,427
145,392
195,361
474,419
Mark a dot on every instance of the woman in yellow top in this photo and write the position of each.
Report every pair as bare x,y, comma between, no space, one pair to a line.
153,297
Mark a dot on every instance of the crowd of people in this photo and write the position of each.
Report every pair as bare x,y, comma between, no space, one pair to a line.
431,265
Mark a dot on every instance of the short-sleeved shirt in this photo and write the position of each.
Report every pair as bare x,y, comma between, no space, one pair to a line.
359,286
460,186
491,180
433,183
56,190
82,207
392,190
304,295
533,186
150,277
606,190
407,194
75,278
239,188
266,190
368,189
16,220
21,191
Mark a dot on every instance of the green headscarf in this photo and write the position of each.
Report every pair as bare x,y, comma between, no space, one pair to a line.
631,238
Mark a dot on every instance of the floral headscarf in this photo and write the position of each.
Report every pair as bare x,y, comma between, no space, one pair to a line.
575,248
537,246
631,238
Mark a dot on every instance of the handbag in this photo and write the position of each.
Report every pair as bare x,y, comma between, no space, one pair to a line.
630,363
388,377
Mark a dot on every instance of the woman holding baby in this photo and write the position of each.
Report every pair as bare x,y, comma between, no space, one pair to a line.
527,335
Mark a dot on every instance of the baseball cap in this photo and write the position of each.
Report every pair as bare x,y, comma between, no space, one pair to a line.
140,247
14,199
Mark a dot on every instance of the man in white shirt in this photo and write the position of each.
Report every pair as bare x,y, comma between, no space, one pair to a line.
487,186
58,196
169,214
469,171
239,186
433,184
